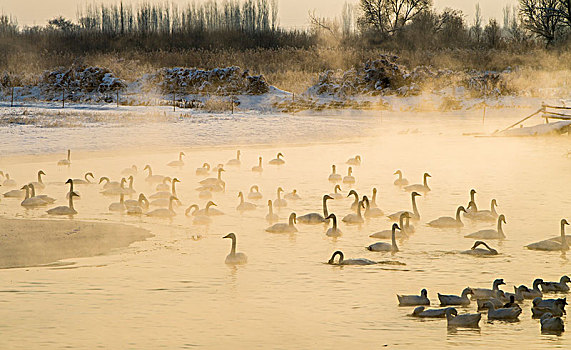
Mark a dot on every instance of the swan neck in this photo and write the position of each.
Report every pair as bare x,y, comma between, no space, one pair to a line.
33,193
233,251
414,208
27,192
325,211
334,223
271,209
393,240
500,229
71,199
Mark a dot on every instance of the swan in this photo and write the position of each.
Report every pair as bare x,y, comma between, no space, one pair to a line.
464,320
133,170
284,228
549,245
334,177
15,193
85,180
219,187
518,293
419,187
508,313
280,202
166,194
463,300
472,207
164,212
316,218
130,190
408,228
39,185
235,258
422,312
244,206
293,196
480,251
213,181
400,182
554,306
355,218
335,194
354,161
374,198
370,211
333,231
113,191
258,168
511,303
204,170
71,184
66,161
490,234
386,247
388,233
551,324
31,201
483,303
539,302
484,293
349,179
355,203
414,300
179,162
64,210
278,160
343,261
560,286
271,217
415,215
142,202
9,182
109,184
218,167
43,197
533,292
119,206
152,178
447,221
236,161
484,215
255,195
164,186
207,211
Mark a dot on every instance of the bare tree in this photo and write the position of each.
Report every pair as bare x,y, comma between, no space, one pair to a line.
565,11
390,16
541,17
477,27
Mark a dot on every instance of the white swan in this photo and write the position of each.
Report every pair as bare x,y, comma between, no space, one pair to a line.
284,228
400,182
278,160
164,212
484,215
532,293
354,161
85,180
109,184
258,168
550,245
480,251
560,286
415,215
152,178
114,190
386,234
64,210
204,170
214,181
464,320
207,211
355,203
236,161
31,201
472,207
386,247
462,300
333,231
490,233
119,206
508,313
66,161
371,212
137,206
349,179
71,184
130,190
316,218
343,261
179,162
244,206
166,194
255,195
419,187
271,217
280,202
414,300
447,221
422,312
355,218
334,177
9,182
235,258
292,196
133,170
484,293
374,198
164,186
335,194
43,197
39,185
15,193
551,324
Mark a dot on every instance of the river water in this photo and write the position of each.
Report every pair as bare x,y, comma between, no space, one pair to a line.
173,291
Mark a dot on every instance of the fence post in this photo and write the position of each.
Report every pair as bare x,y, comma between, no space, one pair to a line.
63,98
174,101
12,99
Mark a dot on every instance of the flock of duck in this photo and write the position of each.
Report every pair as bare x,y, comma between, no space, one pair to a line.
499,305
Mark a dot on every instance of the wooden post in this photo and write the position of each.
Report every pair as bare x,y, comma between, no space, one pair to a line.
484,116
63,98
174,101
293,97
12,99
117,98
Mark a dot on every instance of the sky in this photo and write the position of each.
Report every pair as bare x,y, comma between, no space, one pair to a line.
292,13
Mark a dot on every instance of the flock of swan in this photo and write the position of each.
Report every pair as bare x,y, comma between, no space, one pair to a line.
164,203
